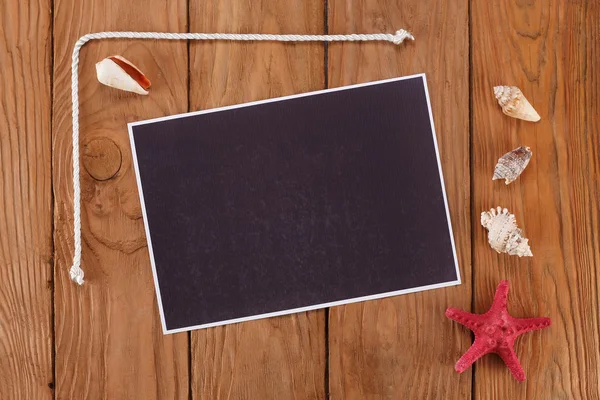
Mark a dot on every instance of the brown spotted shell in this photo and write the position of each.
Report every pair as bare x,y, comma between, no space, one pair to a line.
512,164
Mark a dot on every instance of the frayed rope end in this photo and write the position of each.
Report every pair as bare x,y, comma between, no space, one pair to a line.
76,274
401,35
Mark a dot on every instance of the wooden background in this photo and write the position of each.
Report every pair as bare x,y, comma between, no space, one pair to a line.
103,340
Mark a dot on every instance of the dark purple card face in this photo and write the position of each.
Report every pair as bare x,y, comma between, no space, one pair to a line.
293,204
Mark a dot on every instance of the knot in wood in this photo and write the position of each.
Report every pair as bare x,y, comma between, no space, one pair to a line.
102,158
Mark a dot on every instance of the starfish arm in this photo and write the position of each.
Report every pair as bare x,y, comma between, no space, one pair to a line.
522,325
477,350
509,357
501,296
471,321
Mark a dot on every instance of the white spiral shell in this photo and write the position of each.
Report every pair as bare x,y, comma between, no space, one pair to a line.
503,234
514,104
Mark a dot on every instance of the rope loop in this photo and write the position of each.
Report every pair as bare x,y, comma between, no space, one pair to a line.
75,272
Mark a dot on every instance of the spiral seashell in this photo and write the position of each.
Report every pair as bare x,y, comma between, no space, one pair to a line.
514,104
120,73
503,234
512,164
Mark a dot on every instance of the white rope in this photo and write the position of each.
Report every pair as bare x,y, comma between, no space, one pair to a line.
76,272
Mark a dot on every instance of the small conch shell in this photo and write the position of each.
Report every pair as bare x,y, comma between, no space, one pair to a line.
512,164
514,104
120,73
503,234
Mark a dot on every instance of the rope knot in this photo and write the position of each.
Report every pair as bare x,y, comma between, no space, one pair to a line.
401,35
76,274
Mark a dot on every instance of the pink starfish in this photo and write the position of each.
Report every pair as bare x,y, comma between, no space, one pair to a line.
495,332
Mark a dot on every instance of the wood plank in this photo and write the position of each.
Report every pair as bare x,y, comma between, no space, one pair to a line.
283,357
109,341
404,347
25,201
550,52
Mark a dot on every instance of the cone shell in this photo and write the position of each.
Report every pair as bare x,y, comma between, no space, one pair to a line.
512,164
503,234
514,104
120,73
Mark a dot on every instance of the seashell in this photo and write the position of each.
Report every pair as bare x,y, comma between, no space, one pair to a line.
514,104
512,164
503,234
120,73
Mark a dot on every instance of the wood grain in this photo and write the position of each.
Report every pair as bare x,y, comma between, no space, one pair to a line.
109,341
549,51
107,338
25,201
404,347
283,357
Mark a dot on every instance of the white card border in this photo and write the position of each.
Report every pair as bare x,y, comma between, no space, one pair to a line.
316,306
